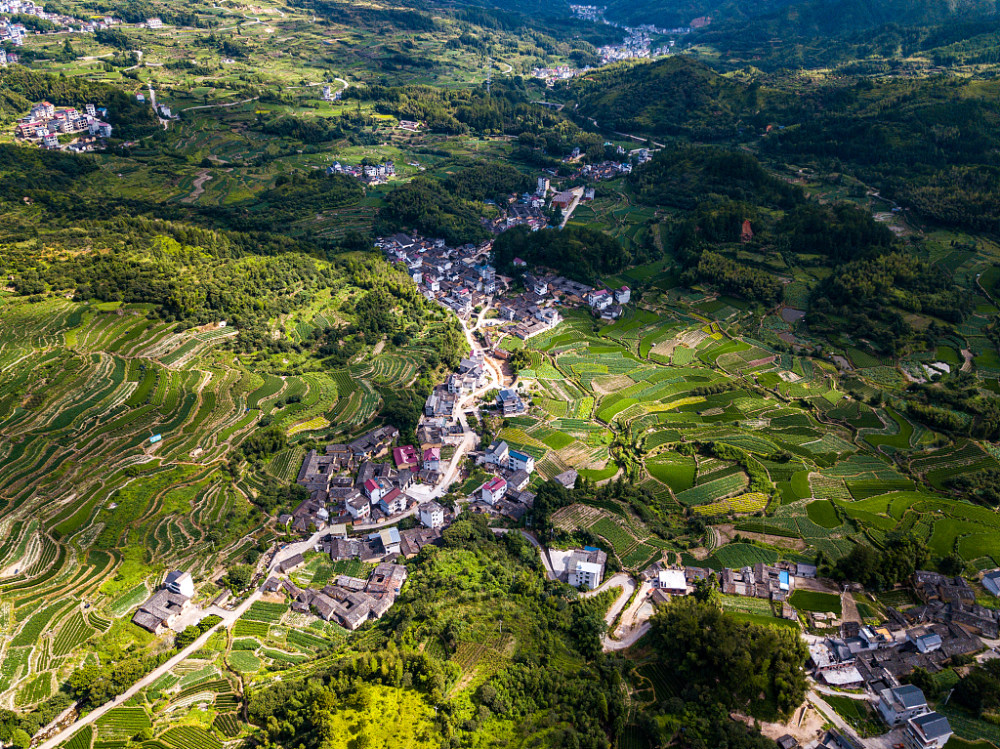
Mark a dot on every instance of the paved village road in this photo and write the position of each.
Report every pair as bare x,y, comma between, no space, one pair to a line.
608,645
842,725
228,619
621,580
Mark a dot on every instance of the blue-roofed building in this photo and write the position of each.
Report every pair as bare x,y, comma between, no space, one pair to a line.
784,581
389,539
518,461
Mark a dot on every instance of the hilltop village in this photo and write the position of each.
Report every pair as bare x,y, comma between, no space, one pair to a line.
64,129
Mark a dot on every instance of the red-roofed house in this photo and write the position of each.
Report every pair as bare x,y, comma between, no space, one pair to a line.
493,490
519,263
392,503
406,456
623,294
432,459
599,299
375,489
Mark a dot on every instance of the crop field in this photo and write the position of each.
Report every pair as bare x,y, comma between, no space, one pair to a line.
127,427
742,504
122,723
189,737
266,612
811,600
115,429
743,555
631,372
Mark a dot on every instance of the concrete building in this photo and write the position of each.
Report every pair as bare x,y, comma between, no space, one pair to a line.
518,461
672,581
928,731
898,704
493,490
585,568
432,514
180,582
497,453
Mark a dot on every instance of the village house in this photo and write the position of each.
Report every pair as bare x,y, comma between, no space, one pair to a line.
927,731
493,490
359,508
497,453
897,705
599,299
432,459
373,444
991,581
672,581
162,608
432,514
510,402
393,502
518,461
375,489
585,568
518,480
415,539
441,403
568,478
405,456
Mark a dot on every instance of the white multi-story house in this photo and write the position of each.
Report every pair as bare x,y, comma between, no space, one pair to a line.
432,459
493,490
585,569
359,508
927,731
432,514
599,299
497,453
898,704
180,583
518,461
375,489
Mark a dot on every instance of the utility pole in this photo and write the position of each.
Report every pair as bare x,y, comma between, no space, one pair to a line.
489,74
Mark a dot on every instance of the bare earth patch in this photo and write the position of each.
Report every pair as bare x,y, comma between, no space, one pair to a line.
727,532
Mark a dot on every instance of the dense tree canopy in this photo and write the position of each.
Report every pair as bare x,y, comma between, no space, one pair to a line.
748,667
576,252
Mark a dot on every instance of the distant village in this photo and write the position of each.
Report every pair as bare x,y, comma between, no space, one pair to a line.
53,129
637,43
14,33
370,174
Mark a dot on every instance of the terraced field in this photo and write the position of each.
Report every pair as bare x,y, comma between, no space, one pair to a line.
114,432
821,461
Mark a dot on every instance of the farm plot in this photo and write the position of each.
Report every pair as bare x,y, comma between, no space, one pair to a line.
713,491
261,611
620,539
676,471
738,555
189,737
742,504
811,600
73,633
122,723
